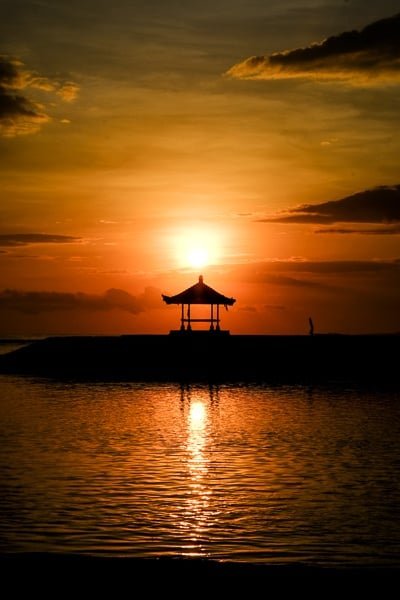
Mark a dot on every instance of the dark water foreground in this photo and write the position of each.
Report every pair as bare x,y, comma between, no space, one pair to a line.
212,357
156,573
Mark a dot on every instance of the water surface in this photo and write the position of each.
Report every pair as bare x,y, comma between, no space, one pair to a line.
249,473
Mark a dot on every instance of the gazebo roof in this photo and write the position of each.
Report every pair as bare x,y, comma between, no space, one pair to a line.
199,293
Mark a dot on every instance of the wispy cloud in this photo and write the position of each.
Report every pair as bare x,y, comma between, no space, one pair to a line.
329,266
26,239
380,206
68,91
285,281
382,230
313,274
248,308
277,307
19,114
371,55
32,302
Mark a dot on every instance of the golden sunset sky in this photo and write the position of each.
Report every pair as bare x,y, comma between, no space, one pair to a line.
140,138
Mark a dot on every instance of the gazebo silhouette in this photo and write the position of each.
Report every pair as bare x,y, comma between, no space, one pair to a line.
199,293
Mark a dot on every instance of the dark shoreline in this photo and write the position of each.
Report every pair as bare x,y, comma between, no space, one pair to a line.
191,567
212,358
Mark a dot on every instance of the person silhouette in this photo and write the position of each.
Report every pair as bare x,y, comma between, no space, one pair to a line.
311,326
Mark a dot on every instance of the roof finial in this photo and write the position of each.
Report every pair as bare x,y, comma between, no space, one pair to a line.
200,278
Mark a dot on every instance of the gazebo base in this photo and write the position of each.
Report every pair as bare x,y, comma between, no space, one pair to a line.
202,332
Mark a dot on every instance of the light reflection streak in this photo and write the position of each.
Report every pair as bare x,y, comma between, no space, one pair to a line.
197,514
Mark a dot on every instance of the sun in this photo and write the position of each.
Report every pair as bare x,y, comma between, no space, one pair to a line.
197,257
197,247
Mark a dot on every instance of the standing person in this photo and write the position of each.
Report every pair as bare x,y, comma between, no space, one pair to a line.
311,326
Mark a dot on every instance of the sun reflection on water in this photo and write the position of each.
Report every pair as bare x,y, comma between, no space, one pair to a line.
197,440
239,473
197,510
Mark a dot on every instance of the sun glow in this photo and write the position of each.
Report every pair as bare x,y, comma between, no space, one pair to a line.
197,257
196,248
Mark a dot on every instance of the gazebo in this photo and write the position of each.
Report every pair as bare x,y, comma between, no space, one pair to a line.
199,293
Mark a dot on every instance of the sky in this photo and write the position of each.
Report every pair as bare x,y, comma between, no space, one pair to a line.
145,142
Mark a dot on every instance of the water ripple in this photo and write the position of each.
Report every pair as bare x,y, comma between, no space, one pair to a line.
244,473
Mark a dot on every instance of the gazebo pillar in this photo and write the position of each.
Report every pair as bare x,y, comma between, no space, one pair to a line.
182,317
212,318
218,327
189,327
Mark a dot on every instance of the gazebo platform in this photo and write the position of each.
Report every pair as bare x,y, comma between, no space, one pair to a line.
200,332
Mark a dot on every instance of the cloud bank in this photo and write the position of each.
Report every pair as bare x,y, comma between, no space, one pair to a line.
19,114
26,239
370,55
32,302
379,206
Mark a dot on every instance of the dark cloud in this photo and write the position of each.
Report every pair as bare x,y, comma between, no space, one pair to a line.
307,273
10,73
380,205
315,277
383,230
353,296
42,302
25,239
285,281
330,266
369,55
18,113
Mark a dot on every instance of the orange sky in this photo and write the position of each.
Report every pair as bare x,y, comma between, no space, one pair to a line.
135,135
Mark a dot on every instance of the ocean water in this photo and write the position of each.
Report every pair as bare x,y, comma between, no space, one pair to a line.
243,473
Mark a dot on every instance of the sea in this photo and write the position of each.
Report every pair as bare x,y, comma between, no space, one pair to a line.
249,473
